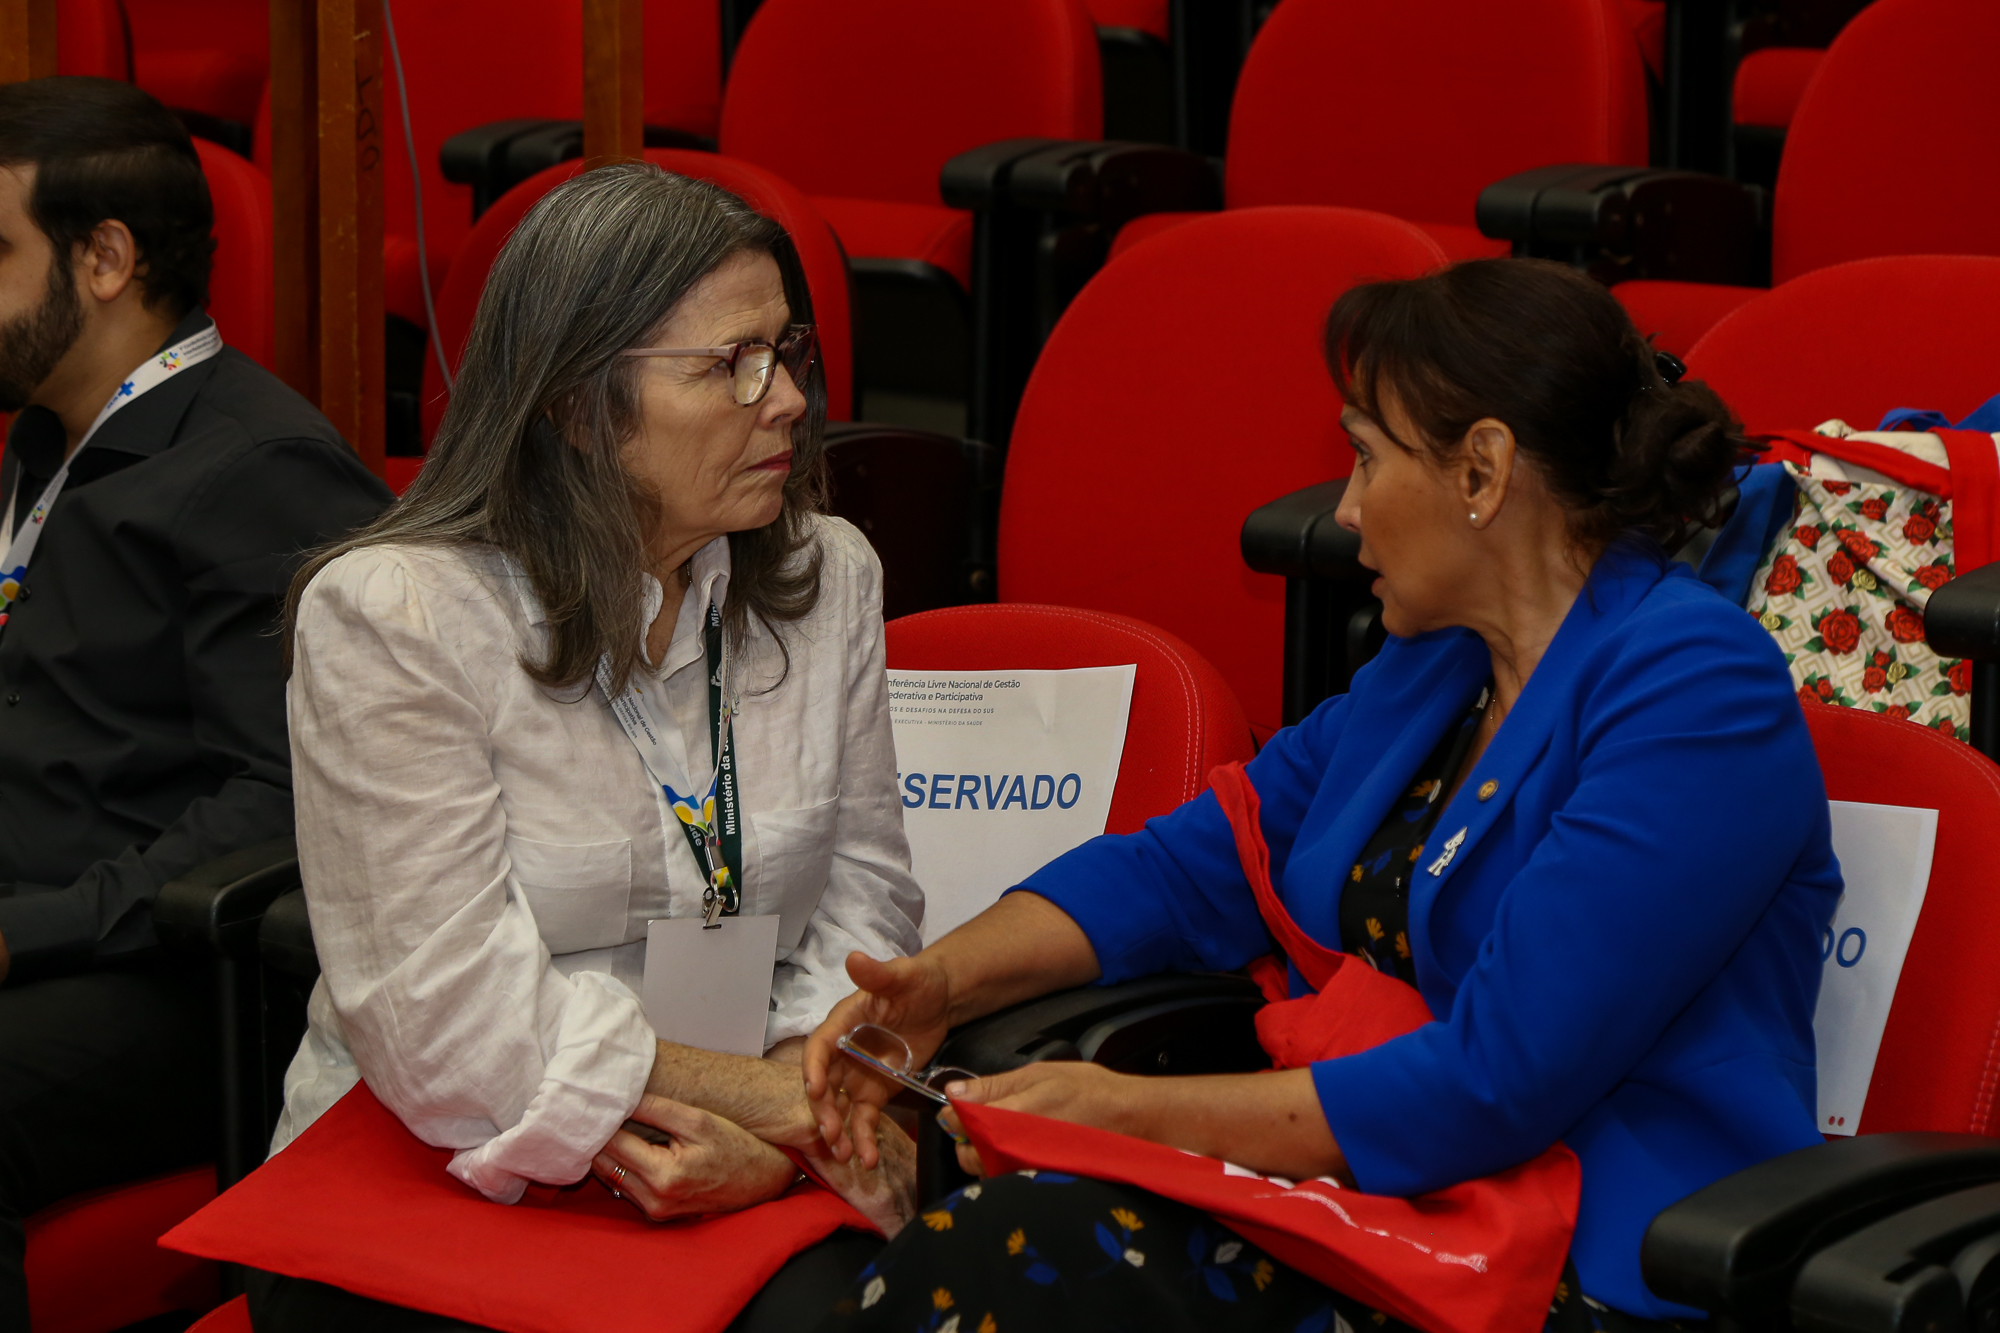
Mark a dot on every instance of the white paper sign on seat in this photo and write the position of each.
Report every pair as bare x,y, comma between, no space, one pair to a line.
1885,857
1000,773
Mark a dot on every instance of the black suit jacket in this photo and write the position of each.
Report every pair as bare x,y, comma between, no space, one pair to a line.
142,690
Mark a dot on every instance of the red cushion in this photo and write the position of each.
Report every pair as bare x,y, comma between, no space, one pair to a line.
1676,314
869,98
1145,15
90,39
402,278
1855,340
874,229
212,54
1936,1069
1413,108
1649,28
92,1265
1185,720
683,41
1870,168
1147,225
819,254
1464,242
240,286
230,1317
215,83
1182,389
1770,82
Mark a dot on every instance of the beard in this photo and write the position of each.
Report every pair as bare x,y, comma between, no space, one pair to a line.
31,344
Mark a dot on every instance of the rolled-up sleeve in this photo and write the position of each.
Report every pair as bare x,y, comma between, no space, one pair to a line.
433,964
871,902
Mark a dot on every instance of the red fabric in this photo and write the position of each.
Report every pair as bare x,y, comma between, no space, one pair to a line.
90,39
402,278
1184,721
1649,28
1675,315
231,1317
1145,226
205,55
875,229
683,76
76,1245
1182,389
1870,168
819,254
1490,1250
1855,340
869,98
1414,108
386,1222
1770,82
1465,242
1145,15
1938,1068
1975,473
241,286
1796,446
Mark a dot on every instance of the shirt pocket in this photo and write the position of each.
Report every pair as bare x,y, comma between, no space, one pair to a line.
580,893
794,858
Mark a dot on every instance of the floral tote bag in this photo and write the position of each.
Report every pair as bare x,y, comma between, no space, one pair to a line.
1843,588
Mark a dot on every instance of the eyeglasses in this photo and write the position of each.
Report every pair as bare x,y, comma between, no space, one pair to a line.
753,363
890,1056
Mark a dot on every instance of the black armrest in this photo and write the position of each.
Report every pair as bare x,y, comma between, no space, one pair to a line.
1194,1024
977,178
1110,183
495,157
928,503
1633,222
1963,617
286,938
1333,624
215,908
1735,1248
1295,537
1927,1268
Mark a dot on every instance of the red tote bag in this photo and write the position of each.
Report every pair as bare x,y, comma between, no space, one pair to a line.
361,1203
1481,1257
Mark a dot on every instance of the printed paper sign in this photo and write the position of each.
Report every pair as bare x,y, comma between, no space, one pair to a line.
1885,857
1001,772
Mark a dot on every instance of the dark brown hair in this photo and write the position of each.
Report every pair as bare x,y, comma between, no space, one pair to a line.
527,457
1552,354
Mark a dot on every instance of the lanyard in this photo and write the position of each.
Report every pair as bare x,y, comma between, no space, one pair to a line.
190,351
717,844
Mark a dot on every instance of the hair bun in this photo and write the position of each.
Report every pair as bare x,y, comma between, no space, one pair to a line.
1674,460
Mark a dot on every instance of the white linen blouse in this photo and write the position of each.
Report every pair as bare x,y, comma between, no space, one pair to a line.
481,856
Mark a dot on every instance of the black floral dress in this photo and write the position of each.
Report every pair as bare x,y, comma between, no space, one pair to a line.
1043,1252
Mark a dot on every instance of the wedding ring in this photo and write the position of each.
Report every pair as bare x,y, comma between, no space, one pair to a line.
618,1171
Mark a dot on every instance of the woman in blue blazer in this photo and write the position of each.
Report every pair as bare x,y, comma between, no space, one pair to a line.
1573,802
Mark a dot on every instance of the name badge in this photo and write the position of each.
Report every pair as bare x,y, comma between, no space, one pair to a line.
710,986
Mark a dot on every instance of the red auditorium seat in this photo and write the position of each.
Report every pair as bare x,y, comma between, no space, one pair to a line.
860,103
232,1317
819,252
240,287
1185,719
1153,16
1182,389
209,56
1414,108
1868,168
1770,84
1857,339
92,1265
91,39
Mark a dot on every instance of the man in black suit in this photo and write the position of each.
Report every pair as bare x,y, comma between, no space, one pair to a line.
157,489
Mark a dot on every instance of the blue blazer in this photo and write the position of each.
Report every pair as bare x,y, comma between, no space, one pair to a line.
1623,952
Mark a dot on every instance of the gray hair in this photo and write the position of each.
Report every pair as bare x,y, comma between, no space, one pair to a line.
527,457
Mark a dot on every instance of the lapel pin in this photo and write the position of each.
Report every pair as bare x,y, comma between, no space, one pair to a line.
1487,788
1451,846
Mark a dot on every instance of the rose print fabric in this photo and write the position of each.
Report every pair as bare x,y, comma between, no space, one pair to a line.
1843,590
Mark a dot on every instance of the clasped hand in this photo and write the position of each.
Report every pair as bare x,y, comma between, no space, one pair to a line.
704,1163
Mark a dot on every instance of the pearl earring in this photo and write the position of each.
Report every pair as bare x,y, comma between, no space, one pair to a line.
1473,517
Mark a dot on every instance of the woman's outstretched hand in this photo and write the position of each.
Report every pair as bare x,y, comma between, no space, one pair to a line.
708,1164
909,996
1072,1090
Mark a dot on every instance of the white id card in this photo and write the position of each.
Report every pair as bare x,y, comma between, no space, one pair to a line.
711,988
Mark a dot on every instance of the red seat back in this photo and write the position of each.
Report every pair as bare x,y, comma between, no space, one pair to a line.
1182,389
91,39
1855,340
1185,719
240,286
869,98
92,1265
1936,1069
1872,166
819,253
210,56
683,41
1414,107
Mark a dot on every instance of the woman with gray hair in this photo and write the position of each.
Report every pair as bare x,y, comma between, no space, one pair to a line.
605,664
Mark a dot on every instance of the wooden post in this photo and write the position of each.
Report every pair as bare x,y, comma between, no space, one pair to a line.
614,105
295,191
27,39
